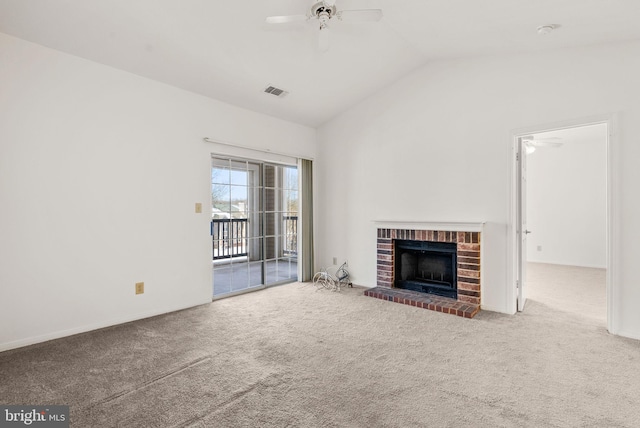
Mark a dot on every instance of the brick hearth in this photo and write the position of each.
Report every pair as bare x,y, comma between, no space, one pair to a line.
424,300
468,270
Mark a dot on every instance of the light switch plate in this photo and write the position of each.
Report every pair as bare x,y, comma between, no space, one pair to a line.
198,207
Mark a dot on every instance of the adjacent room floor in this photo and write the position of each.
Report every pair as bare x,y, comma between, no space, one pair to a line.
571,289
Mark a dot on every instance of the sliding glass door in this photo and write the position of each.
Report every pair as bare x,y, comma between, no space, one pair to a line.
280,223
253,224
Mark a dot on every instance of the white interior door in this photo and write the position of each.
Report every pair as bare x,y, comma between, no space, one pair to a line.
522,225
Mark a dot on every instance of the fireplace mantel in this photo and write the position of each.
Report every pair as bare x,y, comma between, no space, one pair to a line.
452,226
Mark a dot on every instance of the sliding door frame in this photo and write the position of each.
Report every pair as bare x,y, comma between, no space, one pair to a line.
262,213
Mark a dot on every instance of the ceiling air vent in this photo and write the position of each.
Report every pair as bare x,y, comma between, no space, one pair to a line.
276,91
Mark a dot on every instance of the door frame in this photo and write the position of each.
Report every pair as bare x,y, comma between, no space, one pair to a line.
521,224
613,233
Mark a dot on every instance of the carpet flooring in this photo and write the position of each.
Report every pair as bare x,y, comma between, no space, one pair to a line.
291,356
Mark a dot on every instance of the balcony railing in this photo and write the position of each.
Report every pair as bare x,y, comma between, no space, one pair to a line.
290,235
231,237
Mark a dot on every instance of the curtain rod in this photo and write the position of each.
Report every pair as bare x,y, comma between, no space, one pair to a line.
224,143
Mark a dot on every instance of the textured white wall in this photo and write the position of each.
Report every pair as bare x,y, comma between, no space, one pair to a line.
567,202
436,146
99,173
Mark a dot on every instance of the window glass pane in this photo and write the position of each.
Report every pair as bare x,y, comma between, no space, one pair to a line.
220,175
254,199
220,247
254,225
273,200
220,196
221,280
254,176
279,271
239,236
270,222
288,269
239,177
254,249
271,272
239,201
255,274
240,276
290,178
270,176
291,201
271,247
220,201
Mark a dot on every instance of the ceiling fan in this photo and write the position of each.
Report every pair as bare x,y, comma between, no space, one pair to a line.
324,12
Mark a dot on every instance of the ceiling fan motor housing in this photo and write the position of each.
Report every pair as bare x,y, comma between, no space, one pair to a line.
321,10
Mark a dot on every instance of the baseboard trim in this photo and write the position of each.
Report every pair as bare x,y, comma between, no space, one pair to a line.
494,309
96,326
628,335
567,264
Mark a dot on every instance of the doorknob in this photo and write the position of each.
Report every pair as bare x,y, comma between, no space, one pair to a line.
526,232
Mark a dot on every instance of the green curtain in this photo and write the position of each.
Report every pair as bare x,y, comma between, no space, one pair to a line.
306,256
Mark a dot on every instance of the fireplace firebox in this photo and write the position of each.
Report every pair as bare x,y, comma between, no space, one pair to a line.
427,267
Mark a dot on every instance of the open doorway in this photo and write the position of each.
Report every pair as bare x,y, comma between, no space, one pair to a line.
563,220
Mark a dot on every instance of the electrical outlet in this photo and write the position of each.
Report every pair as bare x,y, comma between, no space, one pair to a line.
139,287
335,260
539,248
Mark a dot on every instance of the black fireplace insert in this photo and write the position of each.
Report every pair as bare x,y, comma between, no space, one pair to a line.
427,267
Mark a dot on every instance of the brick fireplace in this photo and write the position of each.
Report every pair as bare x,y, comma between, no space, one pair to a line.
468,267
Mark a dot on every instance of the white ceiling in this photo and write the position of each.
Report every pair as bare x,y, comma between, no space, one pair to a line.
224,49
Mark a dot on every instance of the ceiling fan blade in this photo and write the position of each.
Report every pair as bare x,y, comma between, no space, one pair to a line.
284,19
538,143
323,39
363,15
533,137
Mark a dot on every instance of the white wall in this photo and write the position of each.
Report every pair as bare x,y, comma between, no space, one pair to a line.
99,173
567,201
436,146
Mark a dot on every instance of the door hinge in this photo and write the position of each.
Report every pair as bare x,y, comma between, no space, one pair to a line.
517,157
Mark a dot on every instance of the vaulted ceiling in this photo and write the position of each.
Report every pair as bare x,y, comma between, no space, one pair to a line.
225,50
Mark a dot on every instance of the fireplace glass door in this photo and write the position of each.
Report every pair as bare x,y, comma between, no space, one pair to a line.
427,267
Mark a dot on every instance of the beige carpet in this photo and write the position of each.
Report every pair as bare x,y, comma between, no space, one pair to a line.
292,356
